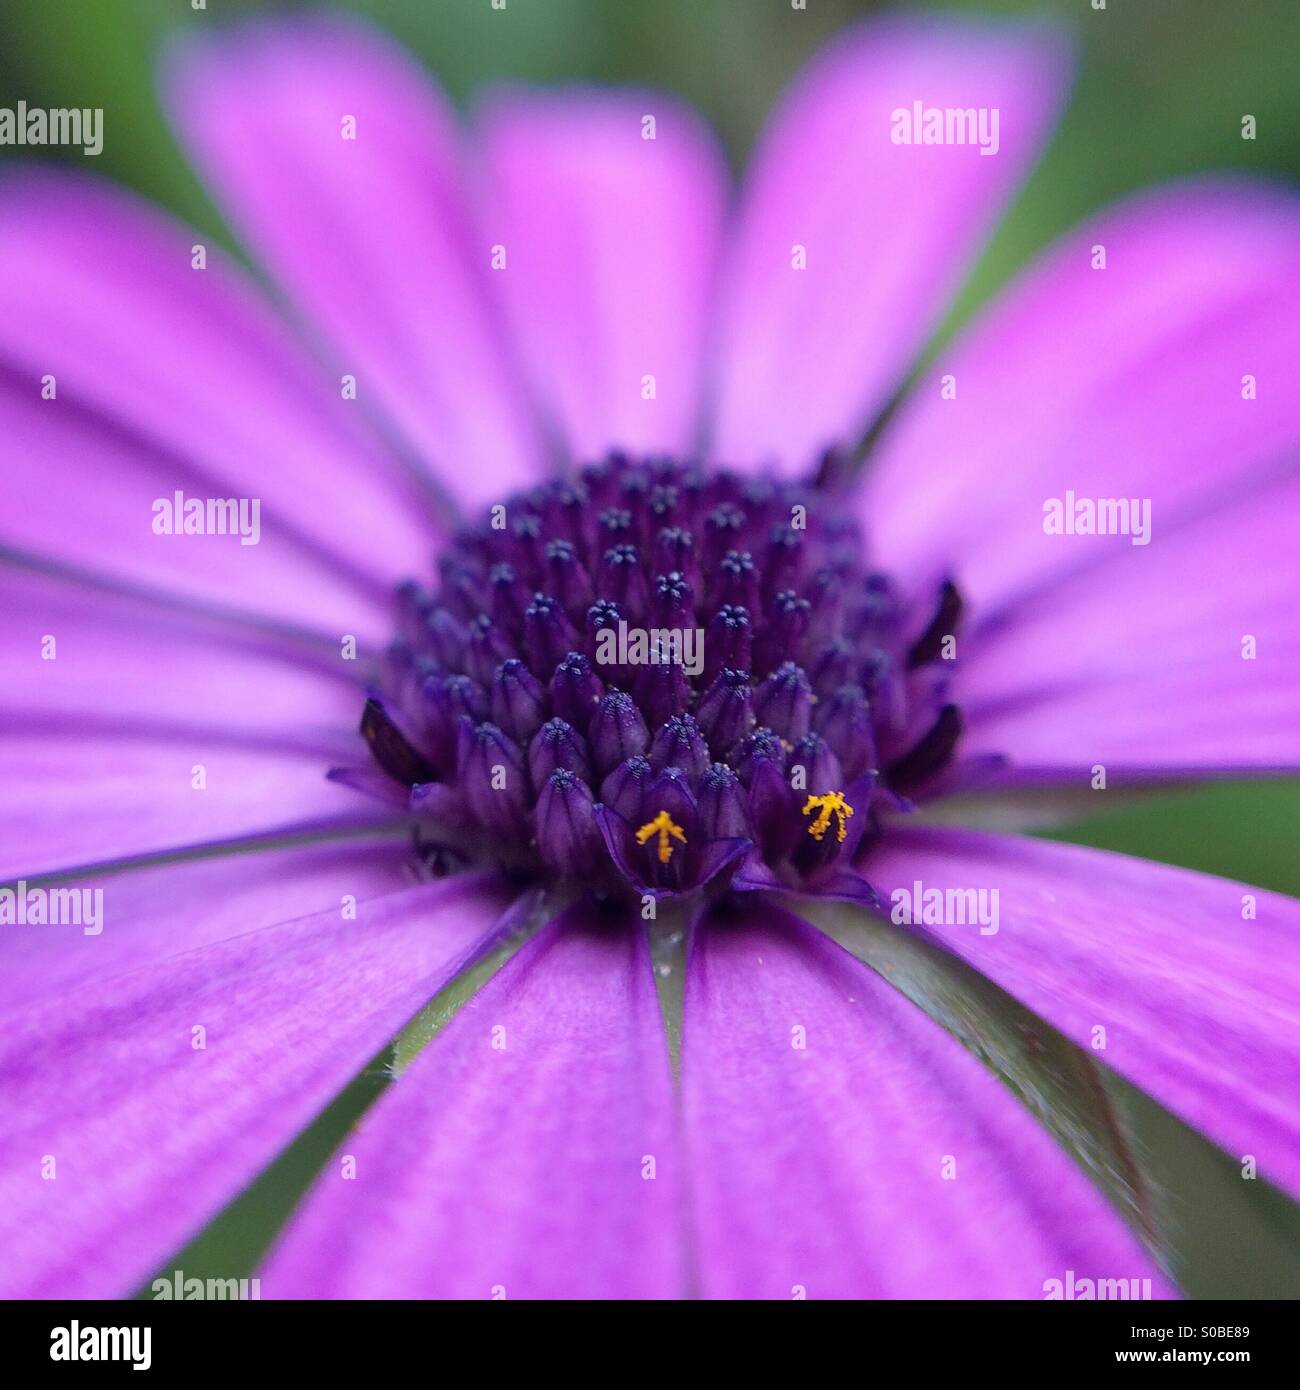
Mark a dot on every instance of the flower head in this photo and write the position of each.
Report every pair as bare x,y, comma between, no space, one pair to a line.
592,677
654,708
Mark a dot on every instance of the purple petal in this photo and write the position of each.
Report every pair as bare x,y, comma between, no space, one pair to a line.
188,372
79,496
821,1108
611,239
526,1153
120,664
377,785
1117,382
368,234
754,876
87,798
140,730
1197,1000
149,1134
843,885
1178,658
888,228
229,895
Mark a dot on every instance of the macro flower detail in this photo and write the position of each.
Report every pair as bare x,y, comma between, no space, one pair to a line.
826,805
617,733
666,830
817,670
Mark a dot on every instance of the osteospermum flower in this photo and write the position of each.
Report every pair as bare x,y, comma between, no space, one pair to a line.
554,396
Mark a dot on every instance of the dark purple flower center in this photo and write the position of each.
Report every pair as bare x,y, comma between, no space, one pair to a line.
640,677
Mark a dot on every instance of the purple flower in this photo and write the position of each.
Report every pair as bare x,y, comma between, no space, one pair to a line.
1069,565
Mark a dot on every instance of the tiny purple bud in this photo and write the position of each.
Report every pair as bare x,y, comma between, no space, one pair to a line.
773,810
557,744
876,609
568,838
886,691
736,581
722,811
726,712
662,506
466,697
671,791
491,774
844,721
602,616
508,597
568,509
723,528
616,527
447,700
782,560
548,633
623,580
674,550
488,646
783,637
662,691
617,730
526,547
680,744
673,602
822,771
567,578
518,700
758,495
576,690
825,592
625,788
832,667
598,479
784,701
761,745
460,590
447,637
633,488
728,641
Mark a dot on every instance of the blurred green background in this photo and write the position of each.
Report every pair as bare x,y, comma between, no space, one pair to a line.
1161,90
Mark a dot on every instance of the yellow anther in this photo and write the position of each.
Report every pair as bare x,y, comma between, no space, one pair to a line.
664,826
832,804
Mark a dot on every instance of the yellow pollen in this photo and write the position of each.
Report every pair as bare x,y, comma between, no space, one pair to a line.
664,826
832,804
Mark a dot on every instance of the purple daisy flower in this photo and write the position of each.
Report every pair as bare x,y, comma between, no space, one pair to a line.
662,697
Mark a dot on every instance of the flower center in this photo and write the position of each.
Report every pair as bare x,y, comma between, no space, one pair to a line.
636,677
